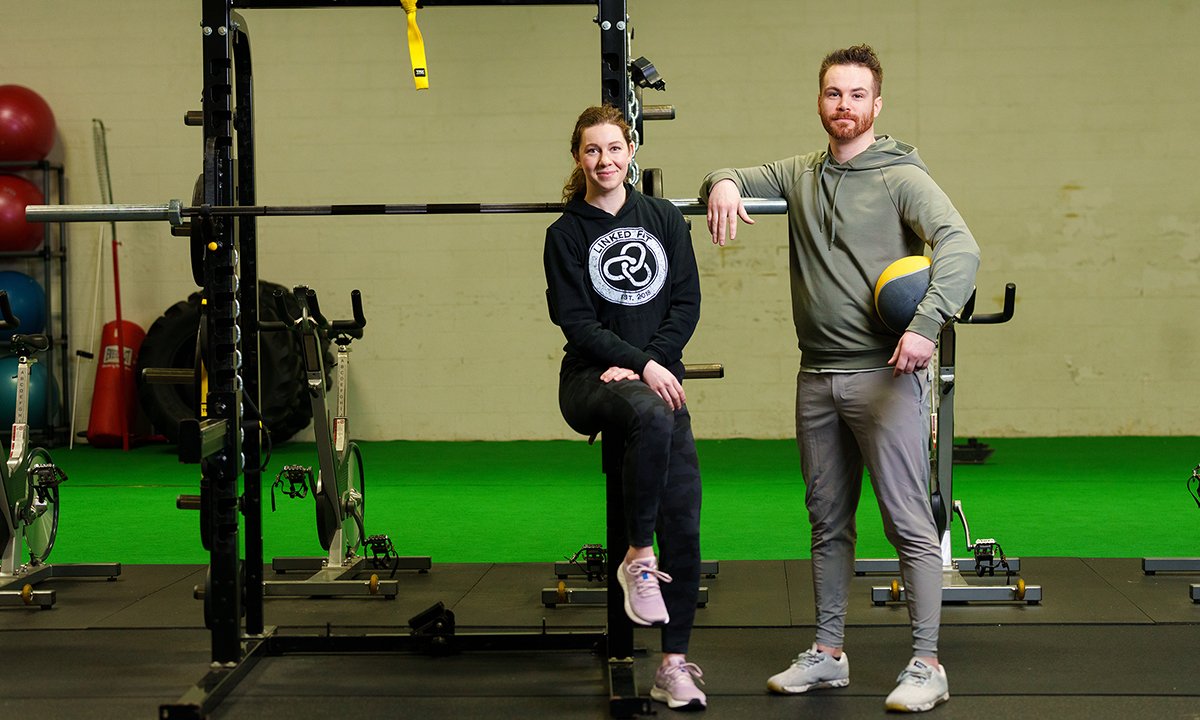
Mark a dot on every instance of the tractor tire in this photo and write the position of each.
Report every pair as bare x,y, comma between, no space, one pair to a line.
171,343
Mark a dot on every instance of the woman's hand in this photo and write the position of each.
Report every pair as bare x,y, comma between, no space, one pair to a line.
663,382
618,373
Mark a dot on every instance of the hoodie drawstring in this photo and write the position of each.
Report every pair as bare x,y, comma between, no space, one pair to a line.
832,203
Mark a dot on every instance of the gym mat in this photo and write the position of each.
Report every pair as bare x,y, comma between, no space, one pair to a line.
1105,642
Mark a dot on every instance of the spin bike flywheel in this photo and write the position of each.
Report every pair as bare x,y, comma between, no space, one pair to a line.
353,500
39,509
348,513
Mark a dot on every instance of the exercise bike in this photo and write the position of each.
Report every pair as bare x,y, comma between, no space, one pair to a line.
29,494
338,486
1155,565
986,554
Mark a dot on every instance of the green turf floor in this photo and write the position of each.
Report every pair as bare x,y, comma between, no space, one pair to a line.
539,501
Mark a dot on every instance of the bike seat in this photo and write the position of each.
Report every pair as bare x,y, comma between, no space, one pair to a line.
26,345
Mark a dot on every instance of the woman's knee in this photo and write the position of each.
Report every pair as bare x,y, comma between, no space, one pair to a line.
654,419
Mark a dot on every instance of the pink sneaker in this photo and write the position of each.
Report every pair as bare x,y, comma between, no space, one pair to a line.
643,598
675,685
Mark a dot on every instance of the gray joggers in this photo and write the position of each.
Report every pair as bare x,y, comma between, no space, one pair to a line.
843,422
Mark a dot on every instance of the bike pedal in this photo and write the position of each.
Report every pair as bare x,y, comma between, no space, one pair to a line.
299,482
381,549
47,475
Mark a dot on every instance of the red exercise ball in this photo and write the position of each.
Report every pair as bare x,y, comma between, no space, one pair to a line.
26,125
17,235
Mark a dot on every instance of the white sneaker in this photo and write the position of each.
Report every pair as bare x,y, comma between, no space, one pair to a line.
812,670
920,688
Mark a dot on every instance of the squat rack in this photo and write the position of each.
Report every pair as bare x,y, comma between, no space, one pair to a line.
221,225
227,443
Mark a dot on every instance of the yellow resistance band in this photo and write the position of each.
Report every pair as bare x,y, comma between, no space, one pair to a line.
416,46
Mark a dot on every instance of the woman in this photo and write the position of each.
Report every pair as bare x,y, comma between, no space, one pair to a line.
623,287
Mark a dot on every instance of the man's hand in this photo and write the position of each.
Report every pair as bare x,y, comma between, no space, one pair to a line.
663,382
724,208
913,353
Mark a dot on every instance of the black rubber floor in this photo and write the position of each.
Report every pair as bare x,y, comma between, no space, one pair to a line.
1105,642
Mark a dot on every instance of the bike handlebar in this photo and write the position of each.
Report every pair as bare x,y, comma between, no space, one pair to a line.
352,328
7,319
1010,305
24,345
307,297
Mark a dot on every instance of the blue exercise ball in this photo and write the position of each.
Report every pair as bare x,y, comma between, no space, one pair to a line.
39,383
28,302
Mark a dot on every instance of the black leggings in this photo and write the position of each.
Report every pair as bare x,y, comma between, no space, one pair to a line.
660,478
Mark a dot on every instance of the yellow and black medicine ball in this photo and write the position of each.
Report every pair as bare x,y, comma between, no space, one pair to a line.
899,289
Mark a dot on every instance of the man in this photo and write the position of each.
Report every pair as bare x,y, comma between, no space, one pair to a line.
862,393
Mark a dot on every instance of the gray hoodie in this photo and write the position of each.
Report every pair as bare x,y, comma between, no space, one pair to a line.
847,222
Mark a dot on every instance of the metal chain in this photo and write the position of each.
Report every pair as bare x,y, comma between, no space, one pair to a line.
634,109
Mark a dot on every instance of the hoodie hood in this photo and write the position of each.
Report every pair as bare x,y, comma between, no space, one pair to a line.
579,207
886,151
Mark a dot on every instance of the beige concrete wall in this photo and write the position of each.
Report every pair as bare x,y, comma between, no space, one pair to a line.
1060,130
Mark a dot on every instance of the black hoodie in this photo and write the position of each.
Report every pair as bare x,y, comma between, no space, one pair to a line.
624,289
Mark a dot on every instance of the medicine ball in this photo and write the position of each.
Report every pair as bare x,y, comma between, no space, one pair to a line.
899,290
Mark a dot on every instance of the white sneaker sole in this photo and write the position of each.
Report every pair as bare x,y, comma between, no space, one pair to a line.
798,689
923,707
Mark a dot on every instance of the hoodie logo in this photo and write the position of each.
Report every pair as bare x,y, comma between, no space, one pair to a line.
628,266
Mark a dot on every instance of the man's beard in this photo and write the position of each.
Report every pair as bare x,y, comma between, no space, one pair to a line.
841,132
